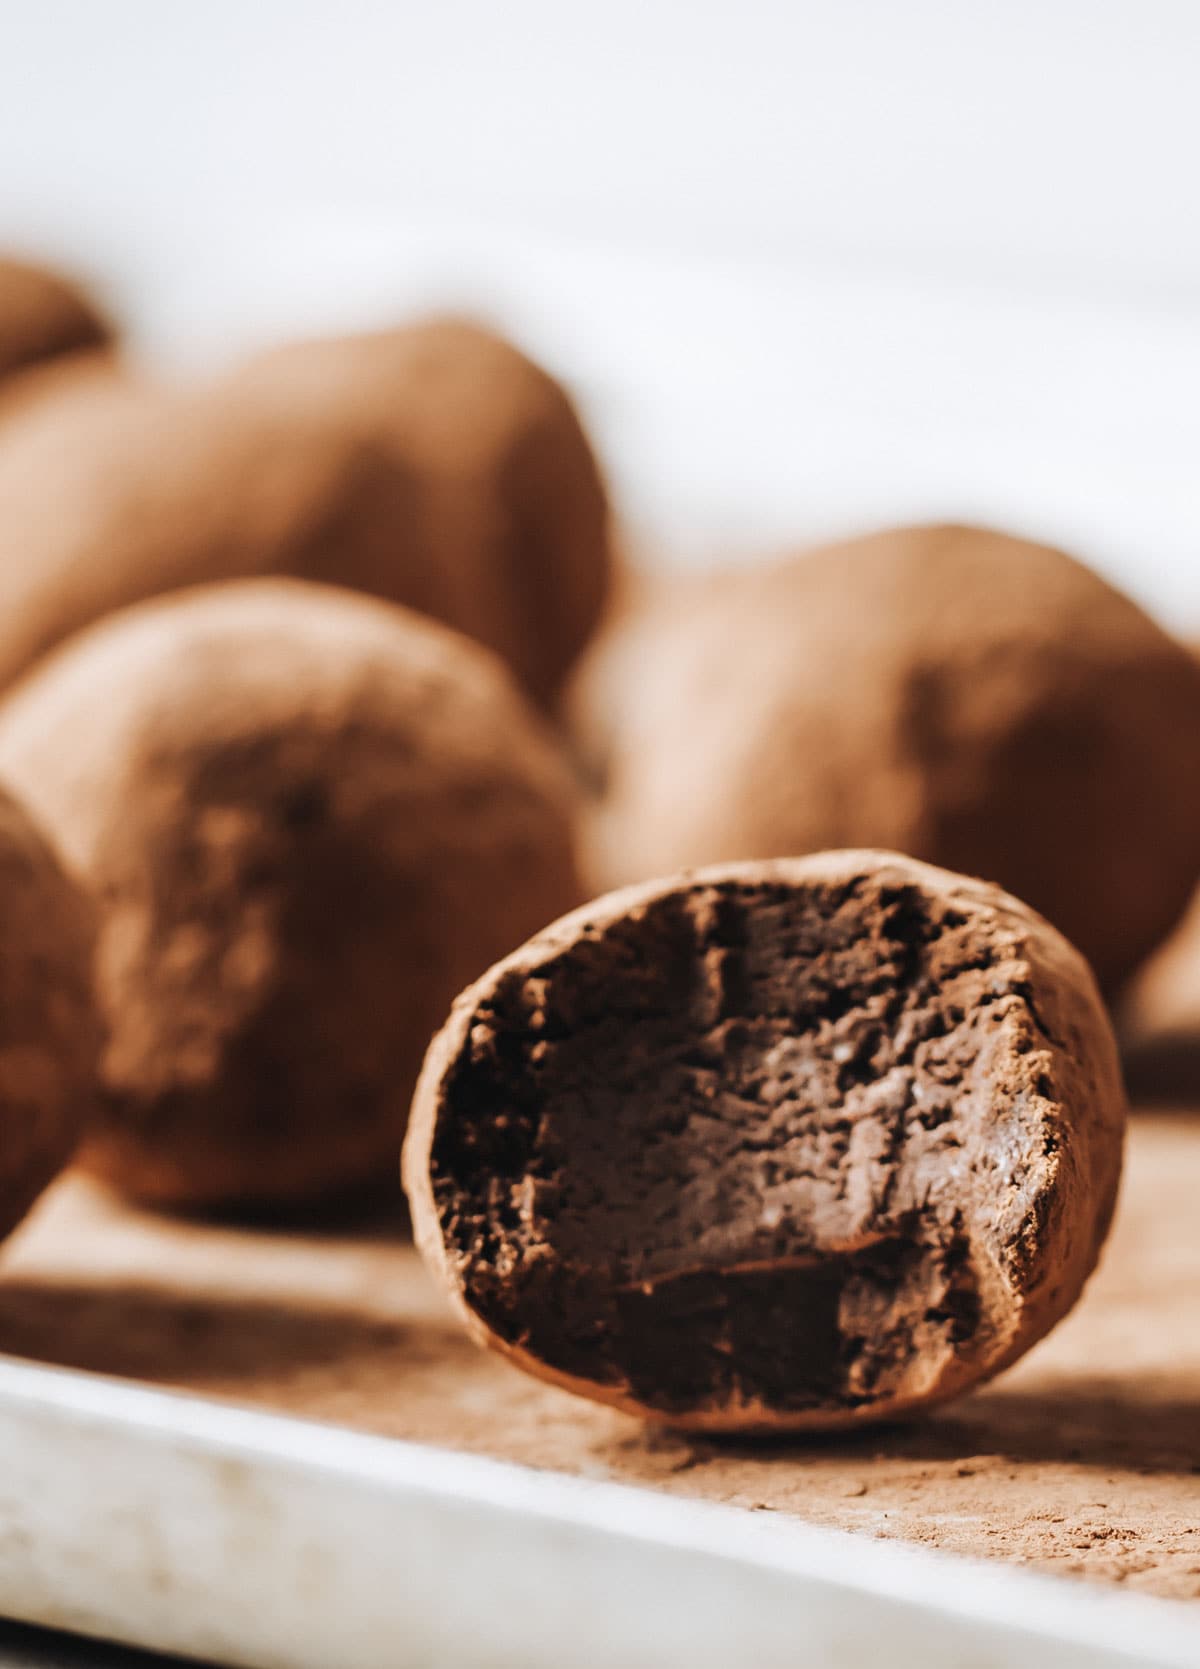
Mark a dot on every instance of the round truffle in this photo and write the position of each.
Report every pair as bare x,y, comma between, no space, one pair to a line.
309,819
436,468
115,490
981,702
44,316
49,1029
513,508
792,1144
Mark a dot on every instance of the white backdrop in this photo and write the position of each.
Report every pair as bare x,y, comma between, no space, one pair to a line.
810,265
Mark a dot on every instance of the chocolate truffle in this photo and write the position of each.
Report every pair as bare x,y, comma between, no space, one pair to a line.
512,505
49,1029
309,818
435,468
114,490
43,316
792,1144
979,701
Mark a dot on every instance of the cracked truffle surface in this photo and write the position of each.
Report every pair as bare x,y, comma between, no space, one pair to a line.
49,1028
778,1144
308,818
981,702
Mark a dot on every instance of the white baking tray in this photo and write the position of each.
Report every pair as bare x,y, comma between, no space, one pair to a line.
244,1538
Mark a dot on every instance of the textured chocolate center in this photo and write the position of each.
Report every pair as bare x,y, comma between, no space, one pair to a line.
750,1144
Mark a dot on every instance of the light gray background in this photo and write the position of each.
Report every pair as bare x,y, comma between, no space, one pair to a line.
811,265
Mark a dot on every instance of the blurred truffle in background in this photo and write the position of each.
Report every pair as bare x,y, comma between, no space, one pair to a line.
44,317
309,819
434,467
512,514
49,1028
973,699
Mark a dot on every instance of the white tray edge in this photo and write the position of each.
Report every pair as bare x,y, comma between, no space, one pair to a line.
189,1526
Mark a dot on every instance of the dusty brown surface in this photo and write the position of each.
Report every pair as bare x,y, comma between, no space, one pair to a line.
1084,1459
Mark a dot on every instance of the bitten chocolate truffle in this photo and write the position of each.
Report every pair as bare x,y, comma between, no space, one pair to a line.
43,316
984,703
309,819
49,1029
793,1144
511,502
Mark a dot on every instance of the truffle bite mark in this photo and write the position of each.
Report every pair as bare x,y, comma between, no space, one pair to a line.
780,1144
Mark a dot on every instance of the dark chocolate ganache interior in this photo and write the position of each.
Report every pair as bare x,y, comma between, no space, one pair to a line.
753,1144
